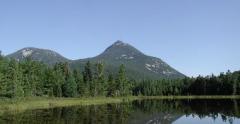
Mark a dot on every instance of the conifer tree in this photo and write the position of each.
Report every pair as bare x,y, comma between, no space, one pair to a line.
69,86
13,80
88,79
79,81
100,81
111,86
122,85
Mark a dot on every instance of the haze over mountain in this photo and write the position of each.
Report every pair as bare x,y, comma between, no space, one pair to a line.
138,65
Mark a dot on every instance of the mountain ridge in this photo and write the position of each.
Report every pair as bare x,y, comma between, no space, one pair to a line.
138,65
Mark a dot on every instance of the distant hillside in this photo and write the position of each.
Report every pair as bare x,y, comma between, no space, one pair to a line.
46,56
138,65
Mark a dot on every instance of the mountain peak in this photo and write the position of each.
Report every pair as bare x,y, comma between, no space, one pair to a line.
120,48
120,43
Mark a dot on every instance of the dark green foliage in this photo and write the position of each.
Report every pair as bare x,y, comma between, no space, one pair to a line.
79,81
100,80
225,84
31,78
111,86
13,80
88,79
123,87
70,87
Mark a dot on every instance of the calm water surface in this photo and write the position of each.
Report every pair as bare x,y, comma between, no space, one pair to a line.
136,112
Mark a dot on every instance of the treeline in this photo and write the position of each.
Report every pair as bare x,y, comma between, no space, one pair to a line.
31,78
224,84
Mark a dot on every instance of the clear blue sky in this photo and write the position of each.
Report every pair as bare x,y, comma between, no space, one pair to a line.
193,36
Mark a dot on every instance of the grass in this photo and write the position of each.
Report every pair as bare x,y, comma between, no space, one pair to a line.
21,105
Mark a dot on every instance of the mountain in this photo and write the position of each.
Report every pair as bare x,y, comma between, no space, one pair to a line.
46,56
138,65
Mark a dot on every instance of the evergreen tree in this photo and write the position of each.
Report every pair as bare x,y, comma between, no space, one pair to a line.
100,81
48,83
111,86
1,56
79,81
88,79
13,80
3,85
122,85
59,79
234,82
2,82
69,86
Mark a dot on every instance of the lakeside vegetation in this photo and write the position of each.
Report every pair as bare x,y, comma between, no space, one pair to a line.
19,105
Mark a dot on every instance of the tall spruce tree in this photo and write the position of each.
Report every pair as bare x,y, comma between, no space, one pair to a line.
48,82
3,84
100,80
122,85
13,80
88,79
111,86
59,79
69,86
79,81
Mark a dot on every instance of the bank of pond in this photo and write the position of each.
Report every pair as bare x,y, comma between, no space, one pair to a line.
134,111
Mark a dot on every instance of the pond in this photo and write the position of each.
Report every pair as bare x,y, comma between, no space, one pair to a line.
137,112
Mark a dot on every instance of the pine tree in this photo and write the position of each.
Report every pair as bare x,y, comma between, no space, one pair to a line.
2,82
100,81
79,81
234,81
69,86
111,86
13,80
122,85
88,79
59,79
49,82
3,85
1,56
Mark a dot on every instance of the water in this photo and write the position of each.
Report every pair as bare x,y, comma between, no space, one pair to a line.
136,112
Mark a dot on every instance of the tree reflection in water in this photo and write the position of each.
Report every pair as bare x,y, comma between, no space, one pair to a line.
136,112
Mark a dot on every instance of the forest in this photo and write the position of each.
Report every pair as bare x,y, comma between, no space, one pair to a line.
31,78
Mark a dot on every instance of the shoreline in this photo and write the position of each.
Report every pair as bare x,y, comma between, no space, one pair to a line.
15,106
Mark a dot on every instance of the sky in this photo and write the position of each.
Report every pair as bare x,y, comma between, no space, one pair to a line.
196,37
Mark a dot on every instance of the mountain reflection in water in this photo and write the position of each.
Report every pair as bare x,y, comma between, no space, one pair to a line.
136,112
